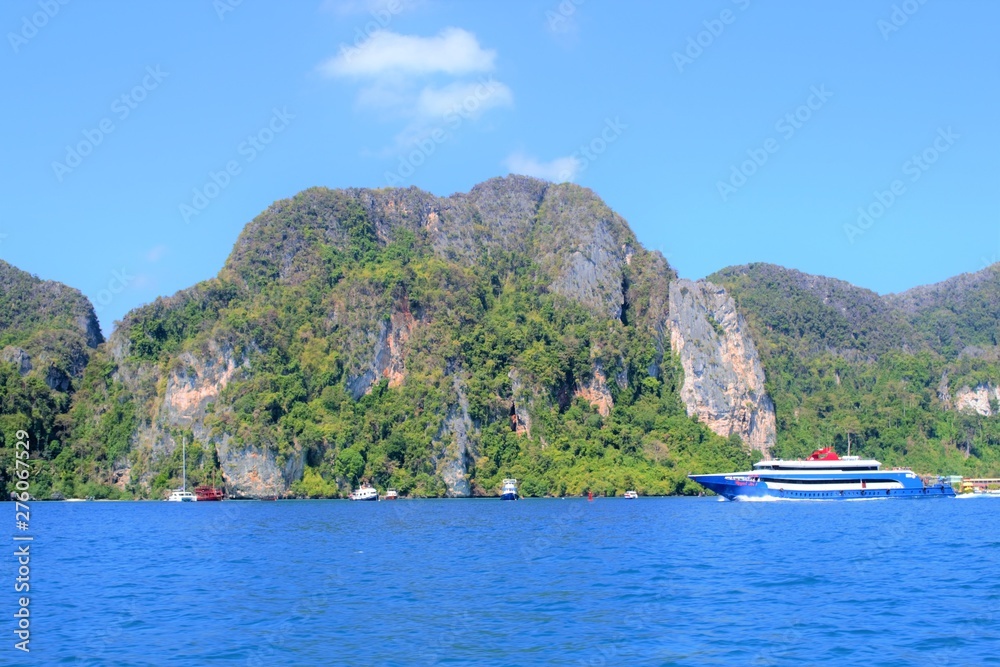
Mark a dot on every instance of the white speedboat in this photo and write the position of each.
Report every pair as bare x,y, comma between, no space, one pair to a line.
631,495
366,492
509,490
182,496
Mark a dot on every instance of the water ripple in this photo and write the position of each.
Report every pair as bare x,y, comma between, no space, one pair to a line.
546,582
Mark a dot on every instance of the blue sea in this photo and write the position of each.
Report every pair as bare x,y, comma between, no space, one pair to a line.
654,581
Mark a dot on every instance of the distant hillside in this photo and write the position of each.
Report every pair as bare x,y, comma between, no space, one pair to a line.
910,376
955,314
815,313
47,334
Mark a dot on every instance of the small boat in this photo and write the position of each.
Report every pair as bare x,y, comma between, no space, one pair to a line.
206,493
509,490
366,492
631,495
210,492
181,496
391,494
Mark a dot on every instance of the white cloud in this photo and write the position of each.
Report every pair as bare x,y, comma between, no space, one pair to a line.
468,99
453,51
559,170
424,81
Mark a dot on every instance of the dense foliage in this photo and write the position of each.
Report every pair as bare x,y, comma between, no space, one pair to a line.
46,333
842,362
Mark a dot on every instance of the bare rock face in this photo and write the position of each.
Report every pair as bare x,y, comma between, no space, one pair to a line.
192,384
723,376
253,472
980,399
386,352
520,417
586,246
18,357
595,390
456,441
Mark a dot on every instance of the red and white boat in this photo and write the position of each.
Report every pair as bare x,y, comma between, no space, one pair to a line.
204,493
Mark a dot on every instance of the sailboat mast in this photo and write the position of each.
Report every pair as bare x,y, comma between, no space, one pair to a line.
184,463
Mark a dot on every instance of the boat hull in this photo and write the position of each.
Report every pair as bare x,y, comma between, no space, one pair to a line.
508,496
752,487
208,494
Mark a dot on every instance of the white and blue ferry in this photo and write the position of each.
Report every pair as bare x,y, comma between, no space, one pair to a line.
509,490
822,476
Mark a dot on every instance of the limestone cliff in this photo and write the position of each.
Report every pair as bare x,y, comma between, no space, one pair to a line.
181,402
456,443
981,399
723,377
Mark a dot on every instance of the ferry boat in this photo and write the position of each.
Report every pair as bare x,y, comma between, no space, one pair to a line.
509,491
391,494
822,476
366,492
631,495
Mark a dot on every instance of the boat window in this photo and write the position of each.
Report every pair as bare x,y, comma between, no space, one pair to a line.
826,480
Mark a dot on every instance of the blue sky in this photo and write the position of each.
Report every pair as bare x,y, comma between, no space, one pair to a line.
856,139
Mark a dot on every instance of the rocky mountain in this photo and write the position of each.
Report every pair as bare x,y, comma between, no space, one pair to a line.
434,344
46,328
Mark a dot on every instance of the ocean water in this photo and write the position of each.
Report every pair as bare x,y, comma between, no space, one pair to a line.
668,581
